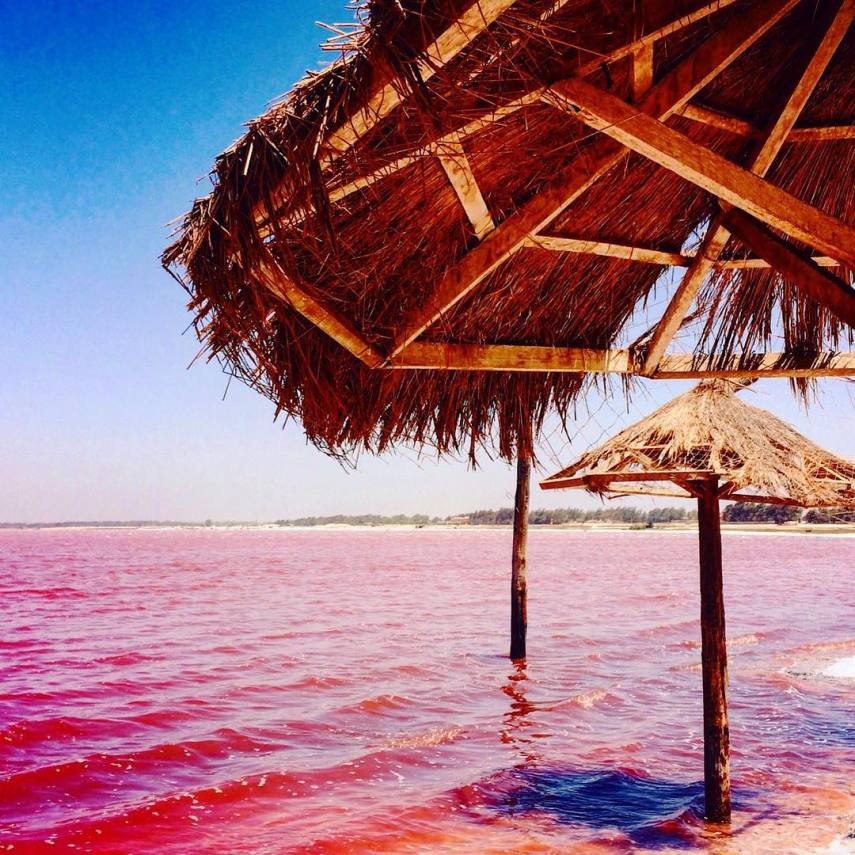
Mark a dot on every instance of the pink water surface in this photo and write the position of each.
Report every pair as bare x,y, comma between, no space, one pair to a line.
347,691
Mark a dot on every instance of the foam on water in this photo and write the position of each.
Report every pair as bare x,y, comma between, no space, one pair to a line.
843,668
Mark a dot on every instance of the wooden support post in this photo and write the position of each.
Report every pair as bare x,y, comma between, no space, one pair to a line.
714,655
519,605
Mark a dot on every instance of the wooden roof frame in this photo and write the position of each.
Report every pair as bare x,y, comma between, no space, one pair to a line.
750,205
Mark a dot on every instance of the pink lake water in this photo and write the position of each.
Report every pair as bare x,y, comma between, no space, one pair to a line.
321,691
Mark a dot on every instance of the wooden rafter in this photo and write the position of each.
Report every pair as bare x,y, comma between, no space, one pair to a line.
716,236
299,296
650,255
674,90
741,127
825,288
527,358
646,255
508,357
604,479
822,133
459,171
642,71
688,367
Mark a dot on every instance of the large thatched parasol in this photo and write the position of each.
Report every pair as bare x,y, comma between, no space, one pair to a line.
437,238
710,445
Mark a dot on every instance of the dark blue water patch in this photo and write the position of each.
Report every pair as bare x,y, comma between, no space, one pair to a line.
651,812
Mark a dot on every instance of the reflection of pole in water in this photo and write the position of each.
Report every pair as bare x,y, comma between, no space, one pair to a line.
516,720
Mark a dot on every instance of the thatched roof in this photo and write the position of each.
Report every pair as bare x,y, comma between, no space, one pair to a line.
709,430
443,188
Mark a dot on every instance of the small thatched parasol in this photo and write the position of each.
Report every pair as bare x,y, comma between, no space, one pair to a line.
709,431
710,445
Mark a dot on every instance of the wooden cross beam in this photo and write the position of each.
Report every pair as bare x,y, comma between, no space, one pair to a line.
716,236
459,171
650,255
674,90
299,296
441,356
736,125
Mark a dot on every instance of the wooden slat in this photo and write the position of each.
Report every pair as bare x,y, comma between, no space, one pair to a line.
336,327
649,255
823,133
676,87
716,236
720,119
459,171
506,357
687,367
821,285
441,356
643,254
642,71
603,479
760,263
743,128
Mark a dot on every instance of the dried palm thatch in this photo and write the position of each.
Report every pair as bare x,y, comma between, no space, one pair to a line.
372,237
708,430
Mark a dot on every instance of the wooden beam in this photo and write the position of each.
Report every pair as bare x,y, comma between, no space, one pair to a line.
603,479
760,263
720,119
609,250
822,286
688,367
677,87
822,133
741,127
440,52
642,71
442,356
509,357
710,171
716,236
649,255
459,171
300,298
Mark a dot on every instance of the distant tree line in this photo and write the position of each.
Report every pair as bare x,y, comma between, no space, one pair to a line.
754,512
505,516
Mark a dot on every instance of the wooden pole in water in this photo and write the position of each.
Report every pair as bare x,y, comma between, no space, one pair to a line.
714,656
519,607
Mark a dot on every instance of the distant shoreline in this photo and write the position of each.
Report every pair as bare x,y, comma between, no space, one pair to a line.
827,529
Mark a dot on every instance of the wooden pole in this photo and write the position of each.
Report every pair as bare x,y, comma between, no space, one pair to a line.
519,606
714,656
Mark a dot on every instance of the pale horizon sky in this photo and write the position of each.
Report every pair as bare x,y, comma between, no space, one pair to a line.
112,114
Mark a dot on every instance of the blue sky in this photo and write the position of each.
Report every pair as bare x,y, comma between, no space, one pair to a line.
112,114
